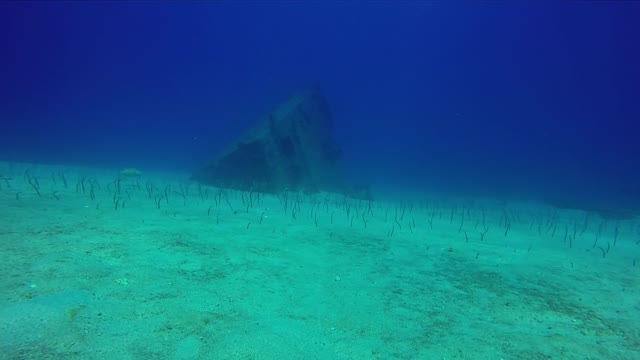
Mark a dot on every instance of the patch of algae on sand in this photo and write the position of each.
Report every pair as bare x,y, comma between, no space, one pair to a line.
130,172
74,311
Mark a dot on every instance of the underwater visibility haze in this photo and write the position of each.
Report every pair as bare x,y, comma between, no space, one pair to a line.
319,180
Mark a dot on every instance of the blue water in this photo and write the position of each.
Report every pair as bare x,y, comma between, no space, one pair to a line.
528,99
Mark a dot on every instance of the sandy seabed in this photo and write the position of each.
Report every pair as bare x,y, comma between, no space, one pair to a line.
158,267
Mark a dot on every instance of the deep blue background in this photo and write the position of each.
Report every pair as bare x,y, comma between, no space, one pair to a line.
536,99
